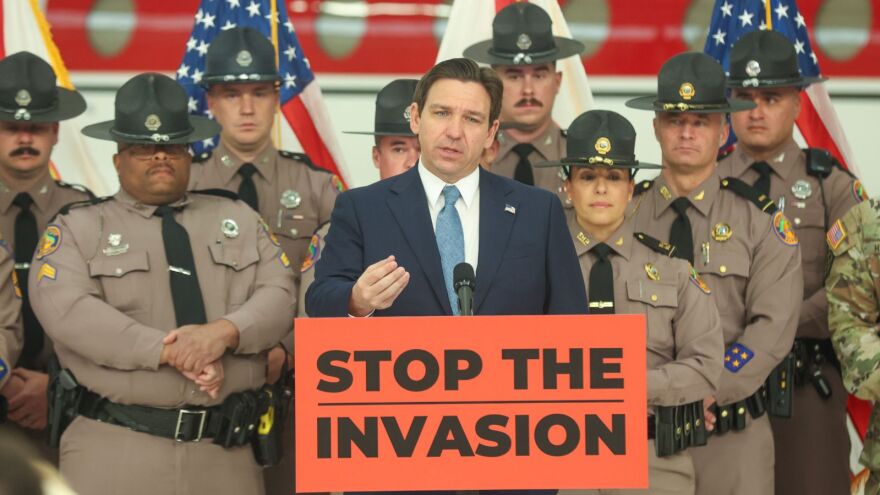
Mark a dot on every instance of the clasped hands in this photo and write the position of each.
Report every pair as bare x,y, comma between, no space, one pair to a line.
196,350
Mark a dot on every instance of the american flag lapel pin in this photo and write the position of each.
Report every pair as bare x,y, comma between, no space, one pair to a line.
510,209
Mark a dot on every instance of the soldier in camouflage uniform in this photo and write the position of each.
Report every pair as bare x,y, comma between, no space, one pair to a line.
853,287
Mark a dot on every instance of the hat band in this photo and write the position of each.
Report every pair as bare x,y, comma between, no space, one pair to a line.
755,82
228,78
684,107
155,137
522,57
599,160
22,113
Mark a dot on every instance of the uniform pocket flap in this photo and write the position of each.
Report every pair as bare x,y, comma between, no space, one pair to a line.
119,265
236,257
297,226
654,293
726,263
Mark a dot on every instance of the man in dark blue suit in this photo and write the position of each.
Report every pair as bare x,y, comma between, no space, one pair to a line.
392,245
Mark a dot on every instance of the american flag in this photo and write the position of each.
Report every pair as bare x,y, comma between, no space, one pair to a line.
301,102
731,19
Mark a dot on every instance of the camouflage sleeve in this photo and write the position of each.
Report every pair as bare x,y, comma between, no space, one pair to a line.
853,300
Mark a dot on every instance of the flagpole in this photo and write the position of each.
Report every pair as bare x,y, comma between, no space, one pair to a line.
768,16
273,25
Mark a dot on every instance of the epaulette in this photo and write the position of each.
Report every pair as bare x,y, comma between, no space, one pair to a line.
748,192
655,245
76,187
303,158
223,193
643,186
80,204
201,157
820,163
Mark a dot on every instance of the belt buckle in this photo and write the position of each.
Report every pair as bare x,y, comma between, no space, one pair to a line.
180,415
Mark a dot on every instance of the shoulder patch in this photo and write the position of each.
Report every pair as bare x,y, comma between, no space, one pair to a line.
725,152
77,187
314,253
643,186
201,157
748,192
835,236
858,191
49,242
655,245
80,204
737,356
337,183
223,193
16,288
698,280
782,228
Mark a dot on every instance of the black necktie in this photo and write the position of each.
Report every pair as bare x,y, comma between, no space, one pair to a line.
26,237
247,191
763,182
189,307
523,172
602,282
680,235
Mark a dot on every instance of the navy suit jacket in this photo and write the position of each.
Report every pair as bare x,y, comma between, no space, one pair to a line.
527,263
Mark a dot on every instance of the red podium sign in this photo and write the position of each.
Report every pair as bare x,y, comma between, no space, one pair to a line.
470,403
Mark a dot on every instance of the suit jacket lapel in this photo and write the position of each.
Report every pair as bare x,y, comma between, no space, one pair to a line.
495,226
409,206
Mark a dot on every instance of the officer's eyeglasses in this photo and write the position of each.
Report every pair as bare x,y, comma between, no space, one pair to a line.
148,151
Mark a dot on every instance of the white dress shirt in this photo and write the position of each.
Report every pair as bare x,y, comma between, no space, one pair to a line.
468,207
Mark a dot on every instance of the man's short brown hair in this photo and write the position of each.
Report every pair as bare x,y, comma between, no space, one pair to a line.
465,70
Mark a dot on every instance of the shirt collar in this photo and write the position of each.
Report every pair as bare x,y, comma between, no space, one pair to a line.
145,210
230,163
467,185
620,242
701,197
545,144
41,193
782,164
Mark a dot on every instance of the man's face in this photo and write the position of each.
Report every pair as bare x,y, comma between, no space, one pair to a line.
246,111
529,93
690,141
153,174
26,147
394,155
768,126
453,128
599,195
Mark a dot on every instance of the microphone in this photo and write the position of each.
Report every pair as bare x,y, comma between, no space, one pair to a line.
464,283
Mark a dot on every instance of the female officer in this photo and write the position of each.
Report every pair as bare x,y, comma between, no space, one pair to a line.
627,272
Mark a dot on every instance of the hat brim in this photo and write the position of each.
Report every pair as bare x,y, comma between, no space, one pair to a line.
240,79
565,47
381,133
70,105
799,82
202,128
651,103
582,162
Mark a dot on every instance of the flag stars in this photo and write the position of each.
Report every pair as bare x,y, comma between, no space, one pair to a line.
799,19
208,142
191,44
763,26
192,105
289,26
272,18
253,9
289,80
208,113
233,3
229,25
199,16
726,9
197,75
781,11
208,21
202,48
799,46
746,18
183,71
290,51
719,37
815,59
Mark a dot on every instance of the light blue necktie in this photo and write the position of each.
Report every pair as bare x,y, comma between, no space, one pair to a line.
450,241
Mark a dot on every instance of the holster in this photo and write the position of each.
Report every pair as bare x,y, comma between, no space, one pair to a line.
811,354
678,427
779,387
275,401
64,397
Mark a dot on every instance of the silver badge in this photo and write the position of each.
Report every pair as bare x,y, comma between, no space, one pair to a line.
115,245
290,199
523,42
801,189
407,114
227,160
244,58
23,98
229,228
753,68
152,123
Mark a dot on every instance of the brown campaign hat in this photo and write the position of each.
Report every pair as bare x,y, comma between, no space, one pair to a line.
765,59
29,91
392,109
240,55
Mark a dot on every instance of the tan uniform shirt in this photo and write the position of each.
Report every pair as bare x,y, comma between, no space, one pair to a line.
685,346
101,288
839,191
11,335
294,197
49,196
549,146
316,247
755,276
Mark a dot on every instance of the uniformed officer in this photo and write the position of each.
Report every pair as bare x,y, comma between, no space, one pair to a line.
10,322
747,253
853,286
31,104
812,446
163,305
523,51
290,193
627,272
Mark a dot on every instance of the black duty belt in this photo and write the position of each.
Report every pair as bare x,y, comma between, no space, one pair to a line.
733,416
810,355
230,424
675,428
